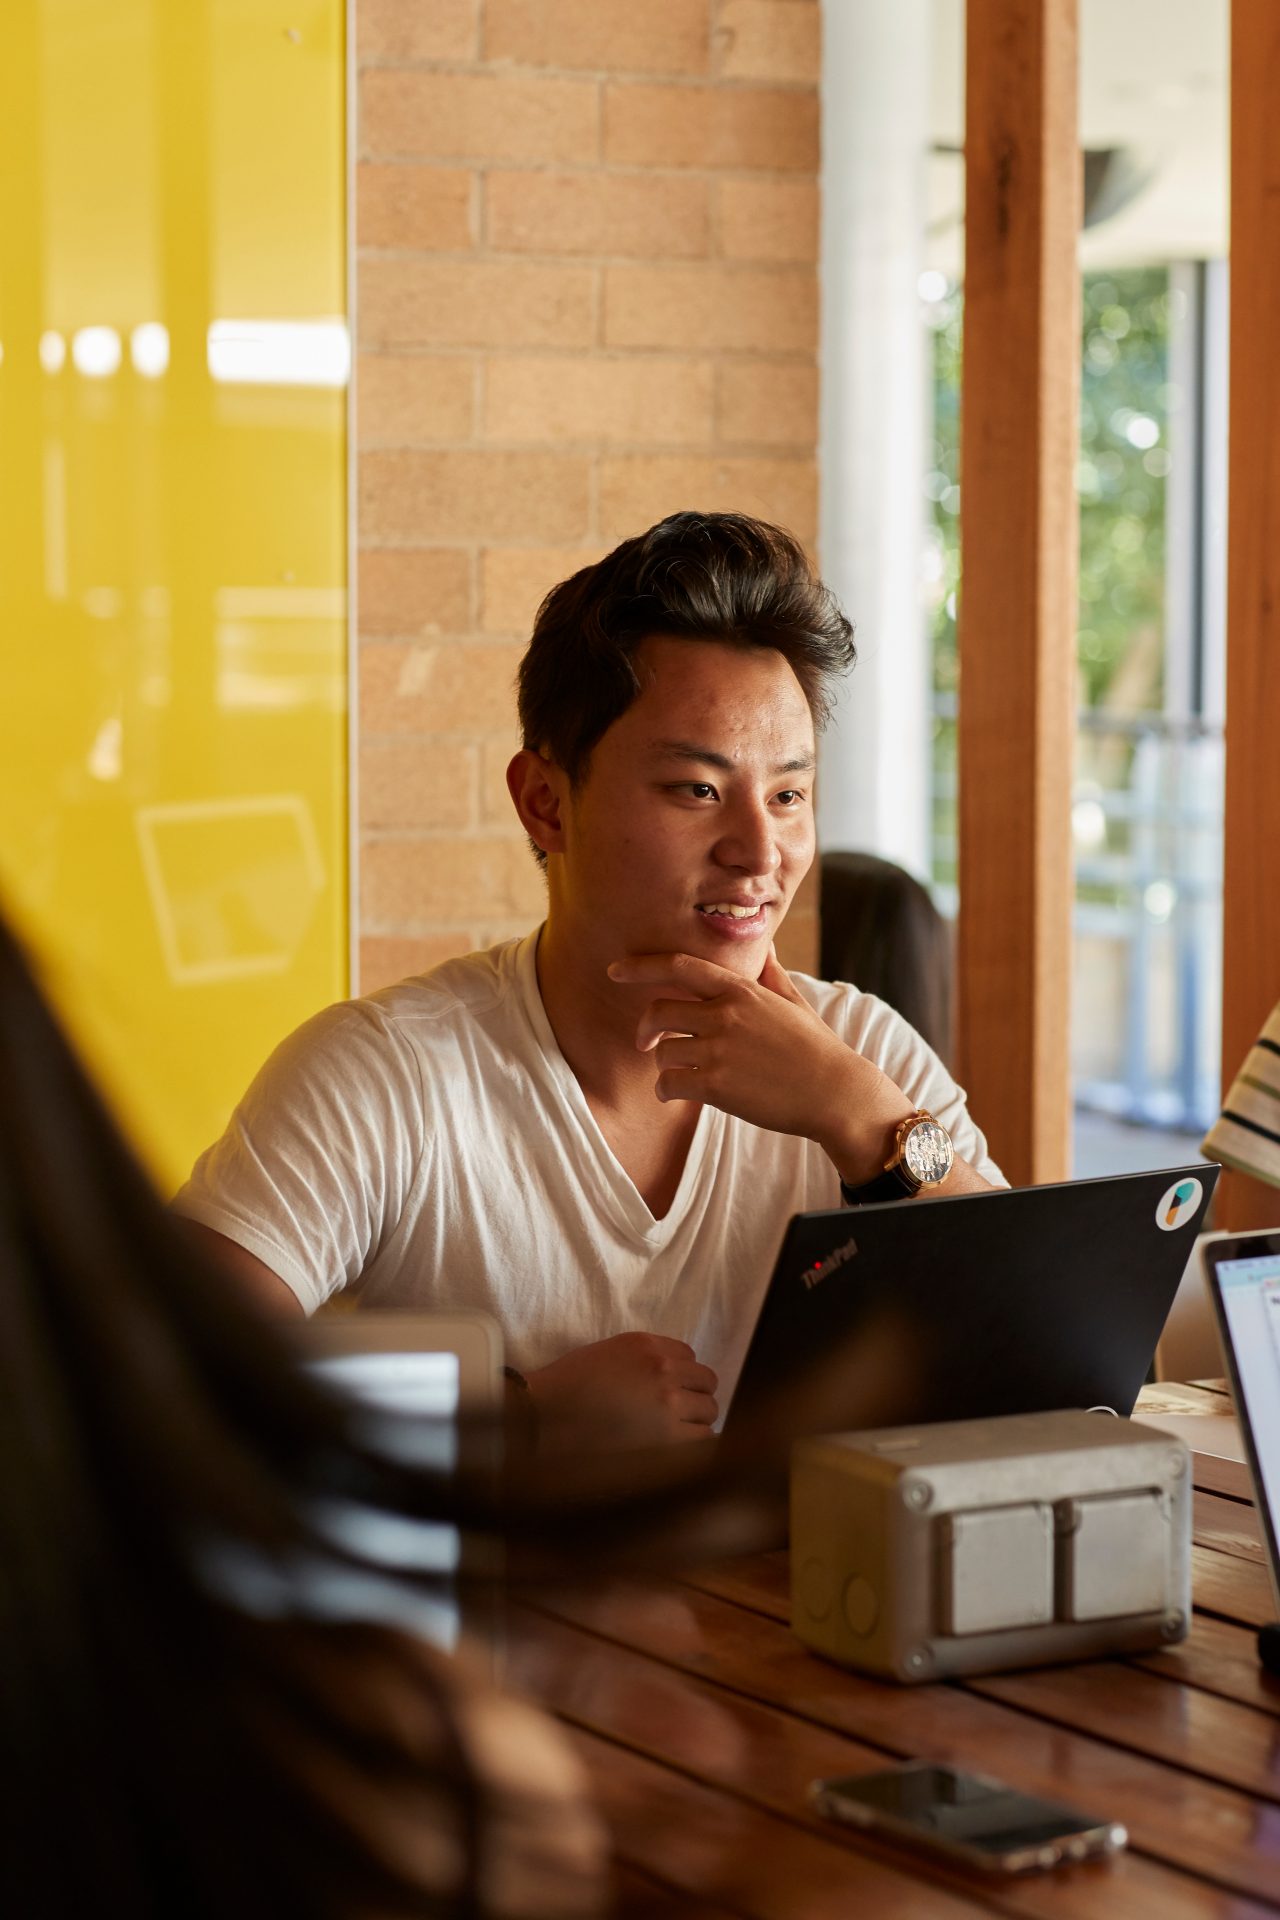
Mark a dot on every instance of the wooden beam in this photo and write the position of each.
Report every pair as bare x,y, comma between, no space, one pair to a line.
1019,539
1251,871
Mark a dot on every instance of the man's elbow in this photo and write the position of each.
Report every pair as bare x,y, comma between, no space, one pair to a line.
261,1289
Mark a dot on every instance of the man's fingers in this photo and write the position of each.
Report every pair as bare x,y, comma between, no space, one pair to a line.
686,972
678,1083
669,1016
677,1050
681,1363
665,1343
697,1378
776,978
688,1392
698,1410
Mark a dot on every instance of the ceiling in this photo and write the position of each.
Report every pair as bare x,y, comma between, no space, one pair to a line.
1153,81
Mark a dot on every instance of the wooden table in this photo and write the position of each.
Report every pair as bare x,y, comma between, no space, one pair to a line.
702,1721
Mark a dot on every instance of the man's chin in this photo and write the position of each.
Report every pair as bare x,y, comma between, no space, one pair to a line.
743,956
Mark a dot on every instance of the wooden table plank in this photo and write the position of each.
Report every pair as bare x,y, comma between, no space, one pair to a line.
1188,1822
1232,1588
743,1857
1129,1707
1167,1396
1219,1657
1229,1526
638,1896
1231,1478
768,1757
760,1581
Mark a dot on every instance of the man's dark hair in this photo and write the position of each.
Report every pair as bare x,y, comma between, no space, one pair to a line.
695,576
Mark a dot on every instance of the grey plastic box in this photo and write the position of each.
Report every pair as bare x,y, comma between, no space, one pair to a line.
979,1545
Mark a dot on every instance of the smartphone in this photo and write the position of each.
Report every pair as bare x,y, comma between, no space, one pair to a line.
965,1817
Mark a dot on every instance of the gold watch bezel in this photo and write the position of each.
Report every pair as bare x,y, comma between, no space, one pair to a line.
897,1163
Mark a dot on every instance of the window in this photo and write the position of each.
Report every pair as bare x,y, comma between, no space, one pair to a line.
1147,801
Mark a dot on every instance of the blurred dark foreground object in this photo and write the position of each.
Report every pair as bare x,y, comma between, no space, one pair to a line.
882,932
212,1701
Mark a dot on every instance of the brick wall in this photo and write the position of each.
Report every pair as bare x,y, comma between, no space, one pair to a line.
586,236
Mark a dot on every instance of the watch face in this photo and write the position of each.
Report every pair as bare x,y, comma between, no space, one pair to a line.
928,1153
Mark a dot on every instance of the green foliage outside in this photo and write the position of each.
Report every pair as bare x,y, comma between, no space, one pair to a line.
1120,481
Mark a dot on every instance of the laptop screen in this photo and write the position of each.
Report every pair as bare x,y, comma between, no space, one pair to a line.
1249,1292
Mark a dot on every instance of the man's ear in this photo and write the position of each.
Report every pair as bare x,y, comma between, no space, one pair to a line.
538,790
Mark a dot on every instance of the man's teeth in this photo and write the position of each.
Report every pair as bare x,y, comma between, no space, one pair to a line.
734,913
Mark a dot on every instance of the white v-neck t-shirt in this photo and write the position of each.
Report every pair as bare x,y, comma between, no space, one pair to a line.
430,1148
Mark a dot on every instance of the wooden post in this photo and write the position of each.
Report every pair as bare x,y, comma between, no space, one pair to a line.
1251,873
1019,533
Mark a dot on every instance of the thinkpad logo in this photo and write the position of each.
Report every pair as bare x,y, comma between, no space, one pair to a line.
822,1269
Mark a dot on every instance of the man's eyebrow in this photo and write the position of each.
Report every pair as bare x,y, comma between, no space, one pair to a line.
706,757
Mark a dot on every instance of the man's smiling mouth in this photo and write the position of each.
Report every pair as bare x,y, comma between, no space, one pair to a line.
735,913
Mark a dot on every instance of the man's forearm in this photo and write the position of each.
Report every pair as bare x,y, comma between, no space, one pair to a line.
859,1143
962,1178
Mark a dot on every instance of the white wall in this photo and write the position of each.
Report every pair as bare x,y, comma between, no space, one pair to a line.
873,788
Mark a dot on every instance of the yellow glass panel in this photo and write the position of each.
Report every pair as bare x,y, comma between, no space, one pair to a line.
173,365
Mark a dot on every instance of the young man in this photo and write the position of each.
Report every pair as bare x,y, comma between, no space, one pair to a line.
598,1133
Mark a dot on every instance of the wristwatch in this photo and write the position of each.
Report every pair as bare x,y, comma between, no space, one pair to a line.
922,1156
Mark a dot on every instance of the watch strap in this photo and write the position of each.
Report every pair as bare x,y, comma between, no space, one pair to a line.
895,1182
888,1185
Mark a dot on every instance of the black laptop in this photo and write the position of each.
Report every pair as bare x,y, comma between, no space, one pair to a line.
1018,1301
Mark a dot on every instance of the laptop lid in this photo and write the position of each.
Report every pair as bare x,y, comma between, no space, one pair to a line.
1243,1272
428,1363
1018,1301
416,1373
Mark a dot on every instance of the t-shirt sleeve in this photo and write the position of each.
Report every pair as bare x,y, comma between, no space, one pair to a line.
317,1162
876,1030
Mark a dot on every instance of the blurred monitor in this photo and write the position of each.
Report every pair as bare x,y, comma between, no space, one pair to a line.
415,1375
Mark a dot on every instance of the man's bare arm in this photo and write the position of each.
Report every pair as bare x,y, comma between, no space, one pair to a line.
757,1049
261,1288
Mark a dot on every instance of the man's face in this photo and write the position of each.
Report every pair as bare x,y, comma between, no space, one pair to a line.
694,824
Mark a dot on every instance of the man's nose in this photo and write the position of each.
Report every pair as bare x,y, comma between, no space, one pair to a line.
749,842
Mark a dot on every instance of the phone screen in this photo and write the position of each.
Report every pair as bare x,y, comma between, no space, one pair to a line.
963,1809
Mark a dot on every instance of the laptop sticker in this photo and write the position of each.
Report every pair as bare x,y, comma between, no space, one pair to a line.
1178,1205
